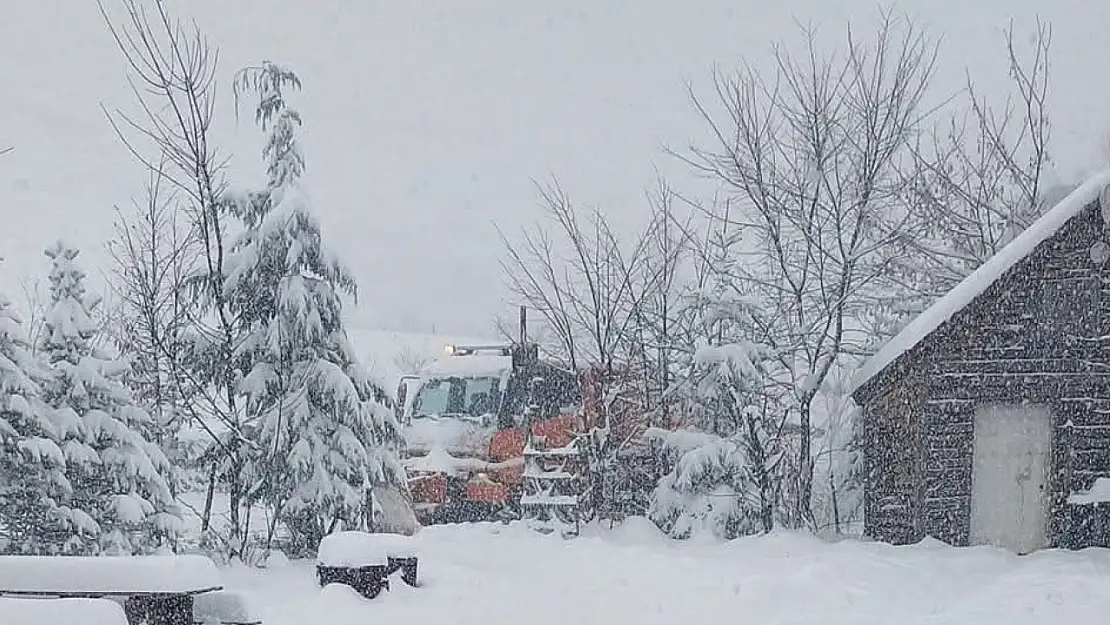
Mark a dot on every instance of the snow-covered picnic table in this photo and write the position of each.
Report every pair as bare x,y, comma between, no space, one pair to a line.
23,611
80,576
364,561
155,589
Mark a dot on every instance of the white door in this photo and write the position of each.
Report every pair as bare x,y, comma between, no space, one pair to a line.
1009,503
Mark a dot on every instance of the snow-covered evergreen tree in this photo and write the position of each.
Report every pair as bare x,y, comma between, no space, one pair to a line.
725,477
326,434
119,500
32,466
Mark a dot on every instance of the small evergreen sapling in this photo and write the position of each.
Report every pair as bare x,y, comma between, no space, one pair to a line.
32,466
726,476
119,500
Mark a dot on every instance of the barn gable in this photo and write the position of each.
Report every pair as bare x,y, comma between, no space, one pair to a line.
980,281
1032,329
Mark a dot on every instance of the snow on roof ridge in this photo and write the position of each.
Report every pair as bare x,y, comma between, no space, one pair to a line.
982,278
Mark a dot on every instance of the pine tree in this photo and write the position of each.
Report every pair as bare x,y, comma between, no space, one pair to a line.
32,466
726,475
326,433
120,500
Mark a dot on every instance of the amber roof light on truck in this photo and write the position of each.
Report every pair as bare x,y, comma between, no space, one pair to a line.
469,350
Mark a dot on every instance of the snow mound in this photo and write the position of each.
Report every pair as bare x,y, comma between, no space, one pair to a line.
983,277
108,574
634,531
354,549
1098,493
214,608
272,558
61,612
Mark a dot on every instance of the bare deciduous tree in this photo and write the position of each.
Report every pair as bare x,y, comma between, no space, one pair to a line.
589,286
668,259
814,157
154,255
36,303
979,180
581,278
172,72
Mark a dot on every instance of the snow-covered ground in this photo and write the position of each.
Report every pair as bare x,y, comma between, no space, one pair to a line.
487,573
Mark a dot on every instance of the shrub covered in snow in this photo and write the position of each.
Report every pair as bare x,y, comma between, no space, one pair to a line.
725,475
709,489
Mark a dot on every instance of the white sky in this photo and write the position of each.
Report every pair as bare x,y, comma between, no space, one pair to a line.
425,122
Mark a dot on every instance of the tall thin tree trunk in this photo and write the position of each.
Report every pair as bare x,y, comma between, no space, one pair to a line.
206,516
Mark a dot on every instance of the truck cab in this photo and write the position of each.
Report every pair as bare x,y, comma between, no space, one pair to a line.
463,419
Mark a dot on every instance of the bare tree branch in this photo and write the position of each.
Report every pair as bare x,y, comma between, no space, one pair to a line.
172,71
979,180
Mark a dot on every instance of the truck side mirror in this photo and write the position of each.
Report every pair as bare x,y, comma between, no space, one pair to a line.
402,395
400,407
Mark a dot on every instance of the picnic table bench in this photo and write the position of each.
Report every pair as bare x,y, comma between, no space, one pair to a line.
153,590
364,561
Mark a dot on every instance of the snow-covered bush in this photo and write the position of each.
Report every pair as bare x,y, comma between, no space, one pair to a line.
725,476
710,489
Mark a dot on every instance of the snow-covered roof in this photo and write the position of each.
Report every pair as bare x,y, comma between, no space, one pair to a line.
108,574
384,350
983,277
470,365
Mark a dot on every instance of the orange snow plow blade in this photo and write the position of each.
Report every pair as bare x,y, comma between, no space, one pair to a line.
506,444
428,488
485,490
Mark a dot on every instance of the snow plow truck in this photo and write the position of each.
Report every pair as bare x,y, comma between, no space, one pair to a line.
464,428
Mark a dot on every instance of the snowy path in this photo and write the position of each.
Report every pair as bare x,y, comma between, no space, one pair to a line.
473,575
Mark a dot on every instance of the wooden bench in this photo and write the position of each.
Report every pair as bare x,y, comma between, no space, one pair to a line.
24,611
154,590
364,561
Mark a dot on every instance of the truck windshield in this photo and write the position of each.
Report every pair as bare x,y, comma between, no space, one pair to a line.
456,396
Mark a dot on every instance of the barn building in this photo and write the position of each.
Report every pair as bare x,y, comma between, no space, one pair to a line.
987,419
